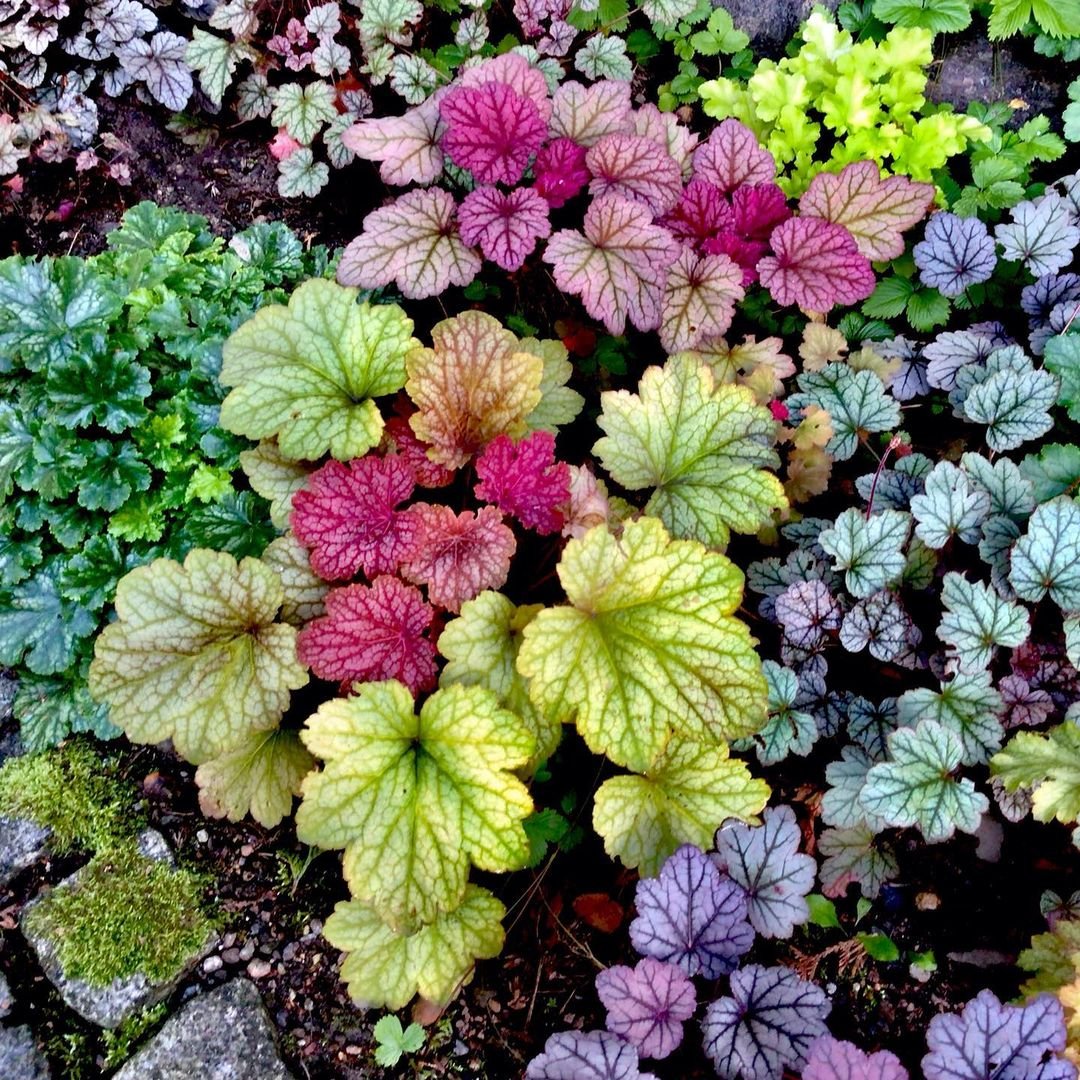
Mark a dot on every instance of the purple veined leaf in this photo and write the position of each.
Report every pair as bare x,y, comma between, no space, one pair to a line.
731,157
955,253
807,611
768,1024
647,1004
413,242
159,62
513,70
910,381
692,916
881,624
560,171
991,1041
955,349
558,40
532,14
1042,234
1041,297
869,726
636,168
505,226
669,132
765,860
407,147
831,1059
491,130
619,266
1023,705
699,300
586,1055
586,114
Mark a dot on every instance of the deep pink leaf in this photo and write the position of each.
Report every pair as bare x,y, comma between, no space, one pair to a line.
505,226
701,213
459,555
758,209
560,171
491,130
347,516
402,442
636,167
513,70
525,480
831,1059
747,253
407,146
647,1004
731,157
815,264
372,633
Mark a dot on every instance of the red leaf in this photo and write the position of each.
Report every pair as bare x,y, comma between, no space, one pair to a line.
599,911
560,171
400,440
731,157
457,556
372,633
815,264
525,480
346,514
702,213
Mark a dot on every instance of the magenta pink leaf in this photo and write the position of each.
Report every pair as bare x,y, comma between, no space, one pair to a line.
699,300
746,253
402,442
526,481
414,243
560,171
619,266
347,516
459,555
407,146
731,157
585,114
758,209
700,214
636,167
513,70
491,130
815,264
831,1059
372,633
505,226
647,1004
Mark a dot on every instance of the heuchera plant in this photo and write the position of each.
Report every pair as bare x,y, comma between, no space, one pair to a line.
384,571
674,230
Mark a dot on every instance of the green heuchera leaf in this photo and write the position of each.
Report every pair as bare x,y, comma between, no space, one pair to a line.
1053,471
856,402
949,506
259,776
976,619
646,647
108,388
1050,764
195,655
415,799
385,968
306,373
1047,557
481,648
968,707
916,786
788,730
680,800
49,710
41,629
699,445
1062,357
394,1041
870,551
275,478
303,110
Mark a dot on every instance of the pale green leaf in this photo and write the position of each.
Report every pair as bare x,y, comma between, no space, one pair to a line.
949,506
1049,763
976,619
215,60
968,707
274,477
788,730
1046,559
1054,471
304,591
1062,357
559,404
1011,492
604,57
870,551
303,110
854,855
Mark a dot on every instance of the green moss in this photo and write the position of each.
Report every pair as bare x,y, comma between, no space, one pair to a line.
71,791
122,1042
126,913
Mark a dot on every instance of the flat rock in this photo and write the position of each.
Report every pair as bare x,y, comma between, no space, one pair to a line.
22,843
225,1034
6,1000
20,1059
108,1006
8,686
770,23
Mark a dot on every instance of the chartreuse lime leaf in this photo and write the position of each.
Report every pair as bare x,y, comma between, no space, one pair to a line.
481,648
414,799
195,655
386,968
307,373
259,776
1048,763
702,447
646,646
680,800
275,478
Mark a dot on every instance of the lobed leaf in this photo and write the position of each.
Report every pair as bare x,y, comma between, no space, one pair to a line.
647,1004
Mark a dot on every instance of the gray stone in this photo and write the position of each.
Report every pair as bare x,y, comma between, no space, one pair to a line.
108,1006
20,1058
22,843
6,1000
8,687
225,1034
770,23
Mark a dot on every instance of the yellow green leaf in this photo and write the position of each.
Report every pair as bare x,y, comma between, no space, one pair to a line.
275,478
304,591
647,646
195,655
558,403
1049,764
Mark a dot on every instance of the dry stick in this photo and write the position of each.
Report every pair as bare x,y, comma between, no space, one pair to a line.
536,988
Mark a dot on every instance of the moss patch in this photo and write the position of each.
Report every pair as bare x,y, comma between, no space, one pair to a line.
126,913
70,791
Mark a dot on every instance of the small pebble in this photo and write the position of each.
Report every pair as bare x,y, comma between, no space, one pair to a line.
290,951
248,951
246,849
202,836
229,940
927,901
212,964
231,956
258,969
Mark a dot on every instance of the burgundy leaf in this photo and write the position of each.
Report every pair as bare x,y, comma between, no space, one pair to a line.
560,171
701,213
647,1004
746,253
505,226
513,70
372,633
525,480
758,209
347,515
402,442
